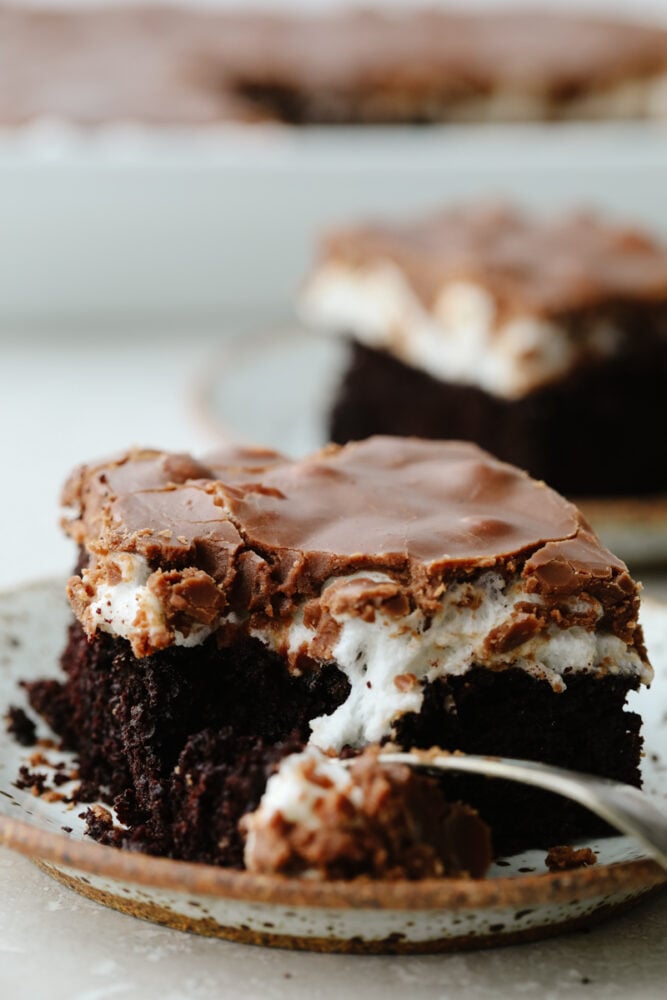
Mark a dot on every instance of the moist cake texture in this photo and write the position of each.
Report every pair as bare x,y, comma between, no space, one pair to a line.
534,337
247,618
185,66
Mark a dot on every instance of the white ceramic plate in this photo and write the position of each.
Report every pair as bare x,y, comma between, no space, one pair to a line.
274,387
520,900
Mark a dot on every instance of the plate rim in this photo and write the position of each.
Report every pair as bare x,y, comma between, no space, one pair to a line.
186,877
635,876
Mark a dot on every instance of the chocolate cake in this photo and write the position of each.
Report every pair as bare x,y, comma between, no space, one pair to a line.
186,66
534,337
249,630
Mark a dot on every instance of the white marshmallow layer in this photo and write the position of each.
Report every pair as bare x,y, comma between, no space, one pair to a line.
389,659
458,340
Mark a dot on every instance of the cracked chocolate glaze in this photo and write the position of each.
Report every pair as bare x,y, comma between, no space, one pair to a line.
531,265
249,536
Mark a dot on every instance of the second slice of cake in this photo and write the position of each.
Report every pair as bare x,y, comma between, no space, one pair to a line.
541,339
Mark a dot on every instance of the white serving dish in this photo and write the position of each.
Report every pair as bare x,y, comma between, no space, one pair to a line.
123,225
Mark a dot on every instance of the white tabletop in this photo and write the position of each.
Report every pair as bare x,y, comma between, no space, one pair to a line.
55,944
54,413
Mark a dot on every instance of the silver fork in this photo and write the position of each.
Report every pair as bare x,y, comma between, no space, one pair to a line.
622,806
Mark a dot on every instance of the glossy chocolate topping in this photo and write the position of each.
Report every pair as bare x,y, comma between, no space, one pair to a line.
531,265
399,501
188,66
268,532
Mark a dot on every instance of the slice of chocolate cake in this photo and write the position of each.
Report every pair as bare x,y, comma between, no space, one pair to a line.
249,619
187,65
420,65
533,337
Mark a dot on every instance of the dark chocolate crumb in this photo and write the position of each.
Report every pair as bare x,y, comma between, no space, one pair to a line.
566,857
21,726
34,780
100,825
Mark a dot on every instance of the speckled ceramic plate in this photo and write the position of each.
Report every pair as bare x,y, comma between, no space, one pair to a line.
520,900
274,387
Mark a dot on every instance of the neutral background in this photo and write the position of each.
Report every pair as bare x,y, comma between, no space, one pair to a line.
174,227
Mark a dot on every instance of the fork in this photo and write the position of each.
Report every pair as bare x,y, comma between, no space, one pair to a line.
623,806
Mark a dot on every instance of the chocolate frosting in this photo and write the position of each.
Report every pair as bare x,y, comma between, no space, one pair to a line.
186,66
531,265
423,57
396,502
251,531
